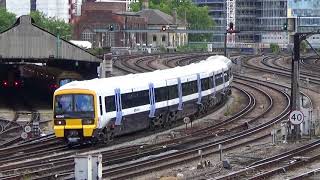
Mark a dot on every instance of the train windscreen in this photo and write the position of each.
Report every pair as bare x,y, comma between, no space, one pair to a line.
74,106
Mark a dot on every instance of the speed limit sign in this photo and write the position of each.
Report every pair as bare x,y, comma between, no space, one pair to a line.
296,117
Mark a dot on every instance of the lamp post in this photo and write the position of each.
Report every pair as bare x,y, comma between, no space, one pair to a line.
58,42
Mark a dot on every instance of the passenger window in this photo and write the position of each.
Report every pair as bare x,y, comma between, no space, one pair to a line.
173,91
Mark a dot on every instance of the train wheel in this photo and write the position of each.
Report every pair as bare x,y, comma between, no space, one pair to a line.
110,136
168,120
152,126
162,121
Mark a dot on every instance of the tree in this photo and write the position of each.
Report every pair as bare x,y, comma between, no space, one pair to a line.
7,19
197,17
274,48
303,46
53,25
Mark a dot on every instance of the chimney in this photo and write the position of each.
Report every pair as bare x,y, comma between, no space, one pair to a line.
174,15
145,4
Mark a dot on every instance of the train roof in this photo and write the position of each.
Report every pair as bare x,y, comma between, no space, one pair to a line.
142,80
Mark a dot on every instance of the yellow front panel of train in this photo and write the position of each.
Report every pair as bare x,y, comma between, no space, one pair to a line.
88,130
59,131
73,124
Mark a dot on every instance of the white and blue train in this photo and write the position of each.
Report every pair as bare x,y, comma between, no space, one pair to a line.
97,109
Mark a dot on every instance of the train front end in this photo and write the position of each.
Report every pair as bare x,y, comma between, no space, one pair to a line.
75,115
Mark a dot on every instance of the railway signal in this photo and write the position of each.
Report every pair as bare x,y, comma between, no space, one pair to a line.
163,28
285,26
230,30
111,28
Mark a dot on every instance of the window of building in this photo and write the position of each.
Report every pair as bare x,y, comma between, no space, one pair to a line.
154,38
87,35
163,38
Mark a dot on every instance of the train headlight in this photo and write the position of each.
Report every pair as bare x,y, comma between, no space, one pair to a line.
87,121
59,122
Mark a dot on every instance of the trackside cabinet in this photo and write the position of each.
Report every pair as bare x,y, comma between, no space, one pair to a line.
88,167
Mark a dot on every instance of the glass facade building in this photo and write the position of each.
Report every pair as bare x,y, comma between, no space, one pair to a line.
308,17
217,10
18,7
52,8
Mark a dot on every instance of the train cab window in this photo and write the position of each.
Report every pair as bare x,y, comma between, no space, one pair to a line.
74,105
110,104
63,104
83,103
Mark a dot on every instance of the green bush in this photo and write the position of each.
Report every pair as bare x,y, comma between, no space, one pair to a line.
274,48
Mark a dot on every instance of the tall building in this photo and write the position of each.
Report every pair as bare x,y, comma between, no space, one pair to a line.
18,7
33,5
218,12
3,3
246,20
52,8
272,15
308,17
55,8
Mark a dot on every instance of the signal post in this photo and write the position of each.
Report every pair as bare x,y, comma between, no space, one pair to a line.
229,30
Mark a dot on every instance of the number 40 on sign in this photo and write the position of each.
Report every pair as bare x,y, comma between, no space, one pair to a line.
296,117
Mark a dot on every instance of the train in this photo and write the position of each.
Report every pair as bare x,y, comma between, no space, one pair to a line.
97,110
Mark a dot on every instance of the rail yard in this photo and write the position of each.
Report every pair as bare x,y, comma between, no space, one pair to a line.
240,137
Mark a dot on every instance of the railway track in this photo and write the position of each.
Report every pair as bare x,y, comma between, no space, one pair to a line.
122,157
62,166
11,177
165,162
285,166
177,63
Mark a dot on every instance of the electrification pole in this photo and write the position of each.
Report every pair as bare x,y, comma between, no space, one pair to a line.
295,93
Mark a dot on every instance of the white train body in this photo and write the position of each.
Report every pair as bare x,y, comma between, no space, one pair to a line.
133,102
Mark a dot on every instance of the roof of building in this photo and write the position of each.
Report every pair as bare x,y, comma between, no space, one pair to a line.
25,40
155,17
